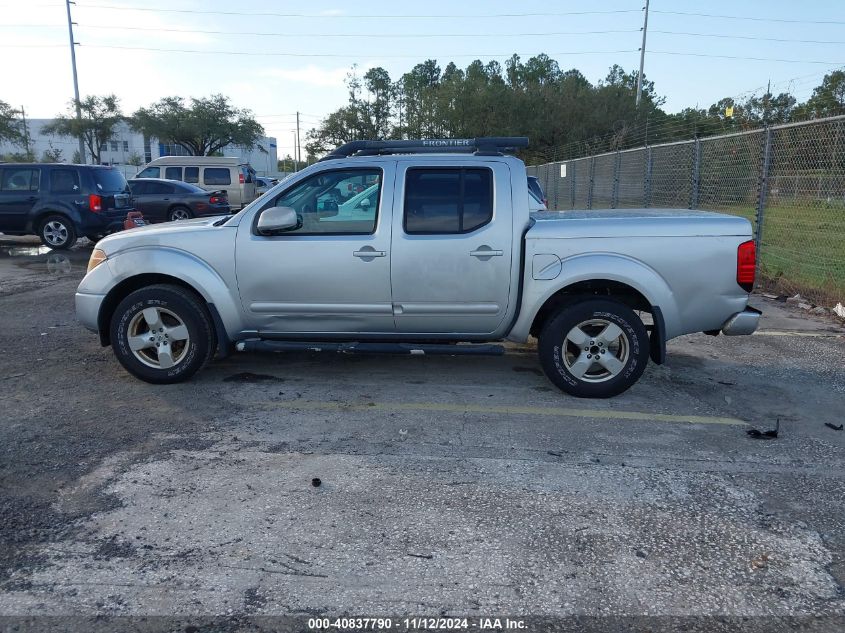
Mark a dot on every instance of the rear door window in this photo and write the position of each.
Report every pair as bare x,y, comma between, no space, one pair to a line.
173,173
192,174
64,181
20,179
159,188
217,176
447,201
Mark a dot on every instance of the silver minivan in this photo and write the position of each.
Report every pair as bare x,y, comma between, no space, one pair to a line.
211,173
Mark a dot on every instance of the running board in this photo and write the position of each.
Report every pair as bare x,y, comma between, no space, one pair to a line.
422,349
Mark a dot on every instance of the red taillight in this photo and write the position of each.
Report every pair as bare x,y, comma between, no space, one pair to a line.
95,203
215,200
746,265
241,178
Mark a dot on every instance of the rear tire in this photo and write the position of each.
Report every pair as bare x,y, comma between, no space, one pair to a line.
162,334
57,232
179,213
595,348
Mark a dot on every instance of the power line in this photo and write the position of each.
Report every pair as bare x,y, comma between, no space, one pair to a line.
305,55
444,56
116,27
751,37
755,59
357,16
752,19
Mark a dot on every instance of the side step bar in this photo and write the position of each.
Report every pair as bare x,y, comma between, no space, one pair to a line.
262,345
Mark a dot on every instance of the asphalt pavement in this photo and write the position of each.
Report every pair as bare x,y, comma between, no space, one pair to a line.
447,485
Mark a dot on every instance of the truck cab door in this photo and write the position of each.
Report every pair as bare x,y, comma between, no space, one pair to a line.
329,276
451,262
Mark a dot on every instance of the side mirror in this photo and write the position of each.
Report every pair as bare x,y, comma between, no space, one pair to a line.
277,219
365,203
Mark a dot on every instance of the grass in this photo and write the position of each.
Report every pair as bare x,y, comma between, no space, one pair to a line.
803,249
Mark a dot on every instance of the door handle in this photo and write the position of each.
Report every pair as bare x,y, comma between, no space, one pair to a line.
368,252
486,251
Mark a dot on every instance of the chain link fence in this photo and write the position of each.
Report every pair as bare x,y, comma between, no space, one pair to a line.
788,180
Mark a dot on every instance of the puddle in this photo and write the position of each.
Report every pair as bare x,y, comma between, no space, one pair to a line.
24,251
37,258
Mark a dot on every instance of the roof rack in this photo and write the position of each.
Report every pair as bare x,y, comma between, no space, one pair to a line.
485,146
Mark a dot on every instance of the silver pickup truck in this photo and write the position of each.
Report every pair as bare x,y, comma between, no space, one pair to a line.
420,247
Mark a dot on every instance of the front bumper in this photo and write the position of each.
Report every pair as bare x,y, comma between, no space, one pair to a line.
88,309
742,323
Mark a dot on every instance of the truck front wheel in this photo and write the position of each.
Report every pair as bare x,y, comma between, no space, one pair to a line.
162,334
595,348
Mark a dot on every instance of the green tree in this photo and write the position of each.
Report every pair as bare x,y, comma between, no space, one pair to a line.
99,117
203,127
828,99
52,155
11,125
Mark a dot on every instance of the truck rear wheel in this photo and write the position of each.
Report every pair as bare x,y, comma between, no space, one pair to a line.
162,334
595,348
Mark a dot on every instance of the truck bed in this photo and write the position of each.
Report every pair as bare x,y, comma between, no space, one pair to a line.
635,223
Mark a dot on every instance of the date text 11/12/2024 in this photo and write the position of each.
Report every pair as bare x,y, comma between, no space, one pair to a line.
416,623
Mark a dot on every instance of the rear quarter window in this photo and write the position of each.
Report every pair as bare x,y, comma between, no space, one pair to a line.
217,176
109,180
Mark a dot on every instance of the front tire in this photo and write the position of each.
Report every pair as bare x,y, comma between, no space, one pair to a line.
595,348
57,232
162,334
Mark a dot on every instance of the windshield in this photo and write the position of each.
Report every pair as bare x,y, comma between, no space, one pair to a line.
109,180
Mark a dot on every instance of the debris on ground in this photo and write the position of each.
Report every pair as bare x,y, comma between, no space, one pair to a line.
765,435
834,427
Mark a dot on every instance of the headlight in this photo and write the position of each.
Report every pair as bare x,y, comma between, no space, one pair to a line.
97,258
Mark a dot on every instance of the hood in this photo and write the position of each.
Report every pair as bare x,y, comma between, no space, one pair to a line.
158,234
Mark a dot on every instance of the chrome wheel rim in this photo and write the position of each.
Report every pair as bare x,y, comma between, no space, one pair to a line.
158,338
596,350
179,214
55,233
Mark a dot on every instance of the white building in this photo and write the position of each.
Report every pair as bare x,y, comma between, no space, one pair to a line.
126,144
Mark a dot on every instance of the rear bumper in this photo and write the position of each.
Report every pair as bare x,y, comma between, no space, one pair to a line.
742,323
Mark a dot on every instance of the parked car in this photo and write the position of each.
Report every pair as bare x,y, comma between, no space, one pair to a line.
211,173
537,191
447,253
59,202
263,184
167,200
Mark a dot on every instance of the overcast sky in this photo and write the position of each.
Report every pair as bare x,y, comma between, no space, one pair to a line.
295,56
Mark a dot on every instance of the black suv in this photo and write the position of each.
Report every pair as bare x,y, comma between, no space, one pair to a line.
59,202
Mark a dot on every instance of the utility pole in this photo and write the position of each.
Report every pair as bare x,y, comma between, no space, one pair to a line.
25,132
298,148
767,102
295,159
642,57
75,79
